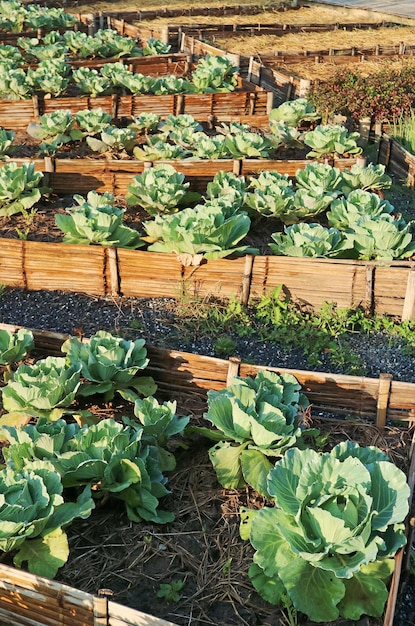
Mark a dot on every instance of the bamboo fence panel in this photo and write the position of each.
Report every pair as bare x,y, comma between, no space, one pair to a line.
28,600
11,263
149,277
311,281
56,266
398,161
83,175
382,287
222,105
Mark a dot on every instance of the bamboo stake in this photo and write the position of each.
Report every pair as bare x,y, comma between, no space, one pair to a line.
233,370
408,312
247,278
385,382
111,258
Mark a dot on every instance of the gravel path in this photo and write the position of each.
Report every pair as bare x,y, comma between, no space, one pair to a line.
158,322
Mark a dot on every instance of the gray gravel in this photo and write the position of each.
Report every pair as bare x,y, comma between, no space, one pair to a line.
157,321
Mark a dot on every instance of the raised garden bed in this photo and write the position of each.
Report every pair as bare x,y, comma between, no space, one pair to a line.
399,161
222,106
30,600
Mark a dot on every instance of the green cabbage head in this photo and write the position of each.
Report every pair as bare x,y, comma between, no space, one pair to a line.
109,364
43,389
329,541
32,514
257,418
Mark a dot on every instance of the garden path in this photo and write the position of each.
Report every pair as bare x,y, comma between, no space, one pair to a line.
403,8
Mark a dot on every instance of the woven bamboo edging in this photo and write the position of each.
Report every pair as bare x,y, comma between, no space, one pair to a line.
381,287
172,33
28,600
66,175
16,115
397,159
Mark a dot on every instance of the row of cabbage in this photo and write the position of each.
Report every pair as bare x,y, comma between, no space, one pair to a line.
17,17
361,225
333,518
148,137
55,77
73,45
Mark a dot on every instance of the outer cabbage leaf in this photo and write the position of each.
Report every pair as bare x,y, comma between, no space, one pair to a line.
337,521
262,415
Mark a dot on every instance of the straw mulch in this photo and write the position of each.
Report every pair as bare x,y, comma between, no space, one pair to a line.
301,42
304,15
202,547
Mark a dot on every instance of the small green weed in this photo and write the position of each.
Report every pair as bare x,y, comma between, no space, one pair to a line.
224,346
170,592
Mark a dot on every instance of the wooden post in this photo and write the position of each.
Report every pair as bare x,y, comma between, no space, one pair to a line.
100,611
247,278
408,311
385,382
112,264
369,292
233,369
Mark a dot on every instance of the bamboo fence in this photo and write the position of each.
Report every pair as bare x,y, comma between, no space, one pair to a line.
225,107
28,600
398,161
65,175
381,287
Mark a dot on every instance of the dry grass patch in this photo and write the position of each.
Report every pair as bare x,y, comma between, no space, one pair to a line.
267,44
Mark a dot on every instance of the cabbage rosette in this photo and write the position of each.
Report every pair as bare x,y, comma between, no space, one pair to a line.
257,418
110,364
32,514
42,389
330,540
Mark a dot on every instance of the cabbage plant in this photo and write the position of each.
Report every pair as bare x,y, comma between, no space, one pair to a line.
204,230
229,188
367,177
33,515
306,204
49,77
91,82
13,83
214,74
330,141
46,388
110,364
256,419
159,189
383,238
329,541
293,112
359,203
154,45
90,122
308,240
94,222
6,143
14,346
19,188
113,140
248,144
319,177
52,129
